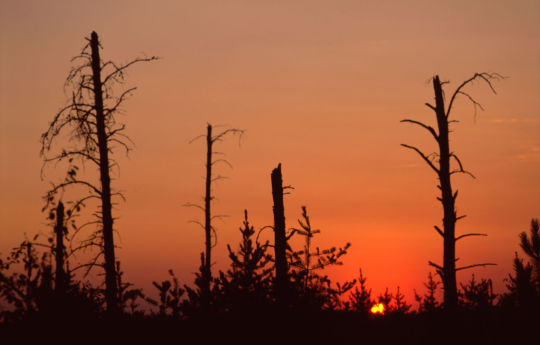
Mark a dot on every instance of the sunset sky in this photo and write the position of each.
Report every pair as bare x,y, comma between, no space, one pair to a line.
319,86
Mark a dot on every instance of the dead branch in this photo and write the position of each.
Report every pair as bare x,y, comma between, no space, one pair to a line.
423,157
429,128
486,77
476,265
467,235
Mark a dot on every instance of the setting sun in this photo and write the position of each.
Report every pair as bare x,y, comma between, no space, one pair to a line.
378,308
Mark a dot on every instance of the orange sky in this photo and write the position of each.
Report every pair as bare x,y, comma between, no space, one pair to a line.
319,86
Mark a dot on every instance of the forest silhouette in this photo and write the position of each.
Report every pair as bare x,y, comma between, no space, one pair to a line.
271,291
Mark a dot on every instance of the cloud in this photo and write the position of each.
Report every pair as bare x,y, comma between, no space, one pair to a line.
532,154
505,120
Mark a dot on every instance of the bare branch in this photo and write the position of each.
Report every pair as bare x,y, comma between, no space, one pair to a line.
439,230
467,235
119,70
194,205
460,170
429,128
435,265
476,265
197,222
423,157
74,182
222,161
430,106
487,77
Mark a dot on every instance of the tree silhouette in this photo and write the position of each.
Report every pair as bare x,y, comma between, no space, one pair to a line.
531,247
280,240
90,115
316,290
170,295
246,285
22,287
522,286
360,299
59,250
428,303
441,163
477,296
209,230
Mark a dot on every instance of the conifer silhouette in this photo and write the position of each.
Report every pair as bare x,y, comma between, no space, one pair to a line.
428,302
246,285
315,289
531,247
360,299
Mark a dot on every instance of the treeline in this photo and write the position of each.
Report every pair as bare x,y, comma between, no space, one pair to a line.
266,280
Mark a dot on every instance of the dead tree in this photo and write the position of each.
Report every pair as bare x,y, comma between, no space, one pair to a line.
90,115
209,230
440,163
60,230
280,238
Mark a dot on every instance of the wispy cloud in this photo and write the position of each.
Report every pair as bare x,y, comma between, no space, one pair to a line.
506,120
531,154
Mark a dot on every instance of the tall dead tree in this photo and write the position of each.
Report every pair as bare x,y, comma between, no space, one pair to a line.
441,163
280,239
209,230
90,115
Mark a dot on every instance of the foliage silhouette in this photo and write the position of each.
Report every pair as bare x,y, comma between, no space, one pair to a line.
531,247
170,297
314,290
524,286
477,296
428,302
360,299
246,286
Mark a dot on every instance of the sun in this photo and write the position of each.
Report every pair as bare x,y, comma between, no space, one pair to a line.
378,309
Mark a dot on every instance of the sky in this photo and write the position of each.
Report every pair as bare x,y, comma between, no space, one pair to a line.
319,86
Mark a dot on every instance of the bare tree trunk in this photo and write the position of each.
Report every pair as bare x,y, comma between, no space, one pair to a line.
60,276
447,200
111,289
280,241
444,172
207,273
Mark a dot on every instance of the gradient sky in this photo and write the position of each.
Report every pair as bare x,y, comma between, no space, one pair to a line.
319,86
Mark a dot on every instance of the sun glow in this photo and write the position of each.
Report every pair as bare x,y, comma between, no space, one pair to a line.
378,309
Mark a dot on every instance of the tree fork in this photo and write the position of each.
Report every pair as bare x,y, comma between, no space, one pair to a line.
280,240
111,288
